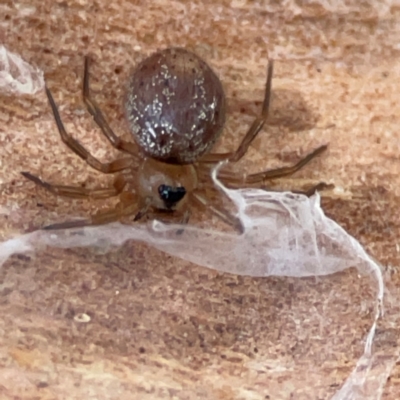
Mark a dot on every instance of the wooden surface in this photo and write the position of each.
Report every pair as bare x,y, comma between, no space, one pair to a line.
161,328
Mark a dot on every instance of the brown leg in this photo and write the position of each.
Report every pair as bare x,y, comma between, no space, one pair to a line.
78,192
144,208
313,189
78,149
184,220
232,179
254,129
104,217
100,218
308,192
285,171
98,117
219,212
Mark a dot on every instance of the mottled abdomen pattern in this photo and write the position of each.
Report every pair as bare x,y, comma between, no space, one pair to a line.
175,106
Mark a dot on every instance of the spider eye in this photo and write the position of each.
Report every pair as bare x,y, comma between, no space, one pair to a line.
171,195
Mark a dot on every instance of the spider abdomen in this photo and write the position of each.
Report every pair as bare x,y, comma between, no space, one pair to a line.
175,106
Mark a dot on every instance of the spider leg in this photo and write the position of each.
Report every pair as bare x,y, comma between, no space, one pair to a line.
307,192
220,212
255,128
184,220
105,217
78,149
313,189
232,180
98,117
285,171
78,192
143,209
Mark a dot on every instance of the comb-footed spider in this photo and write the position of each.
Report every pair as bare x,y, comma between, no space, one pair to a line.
175,106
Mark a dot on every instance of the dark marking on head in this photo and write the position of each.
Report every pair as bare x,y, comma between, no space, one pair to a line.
171,195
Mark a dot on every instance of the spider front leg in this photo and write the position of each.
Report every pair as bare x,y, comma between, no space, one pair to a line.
79,192
218,211
125,208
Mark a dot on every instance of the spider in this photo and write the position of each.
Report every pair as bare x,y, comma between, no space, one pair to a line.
175,107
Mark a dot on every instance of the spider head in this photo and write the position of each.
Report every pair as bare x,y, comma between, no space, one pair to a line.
171,195
166,186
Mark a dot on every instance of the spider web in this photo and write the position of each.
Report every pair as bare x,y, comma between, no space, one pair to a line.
17,76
